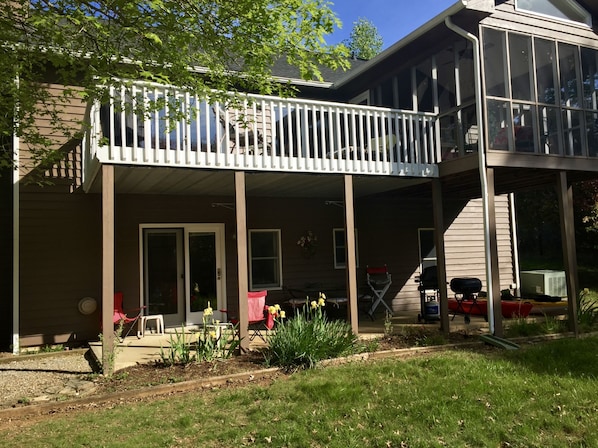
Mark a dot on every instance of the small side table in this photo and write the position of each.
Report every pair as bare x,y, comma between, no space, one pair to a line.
157,318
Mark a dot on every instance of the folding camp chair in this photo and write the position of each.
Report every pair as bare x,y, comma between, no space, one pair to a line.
121,318
260,320
379,280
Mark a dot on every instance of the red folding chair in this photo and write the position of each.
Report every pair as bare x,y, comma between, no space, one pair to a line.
260,320
121,318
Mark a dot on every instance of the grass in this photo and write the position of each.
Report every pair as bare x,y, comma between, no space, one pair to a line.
525,327
545,395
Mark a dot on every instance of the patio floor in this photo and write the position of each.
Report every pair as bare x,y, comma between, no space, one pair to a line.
133,350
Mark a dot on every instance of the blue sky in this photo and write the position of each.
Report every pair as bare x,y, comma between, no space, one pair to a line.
393,18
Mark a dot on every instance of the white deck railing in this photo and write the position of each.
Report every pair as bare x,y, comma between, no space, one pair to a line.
264,133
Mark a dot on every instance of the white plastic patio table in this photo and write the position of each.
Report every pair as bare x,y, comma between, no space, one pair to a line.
143,320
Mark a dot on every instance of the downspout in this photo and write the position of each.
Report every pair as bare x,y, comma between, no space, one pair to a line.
482,160
514,239
15,235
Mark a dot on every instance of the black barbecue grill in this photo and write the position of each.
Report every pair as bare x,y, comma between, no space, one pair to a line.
466,288
429,295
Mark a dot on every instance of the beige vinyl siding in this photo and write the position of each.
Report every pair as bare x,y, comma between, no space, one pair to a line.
464,243
507,17
464,246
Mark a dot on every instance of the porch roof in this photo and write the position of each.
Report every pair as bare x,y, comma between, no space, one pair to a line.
182,181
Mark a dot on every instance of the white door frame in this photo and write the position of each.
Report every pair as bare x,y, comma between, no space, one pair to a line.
219,230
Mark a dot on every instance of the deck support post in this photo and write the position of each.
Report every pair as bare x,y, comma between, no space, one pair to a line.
107,269
565,198
494,294
351,253
242,269
439,230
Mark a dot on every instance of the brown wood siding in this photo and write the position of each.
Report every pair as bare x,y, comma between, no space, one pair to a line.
61,248
71,112
6,238
60,252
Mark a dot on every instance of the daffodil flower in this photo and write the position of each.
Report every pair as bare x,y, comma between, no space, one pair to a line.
283,314
314,304
321,302
272,310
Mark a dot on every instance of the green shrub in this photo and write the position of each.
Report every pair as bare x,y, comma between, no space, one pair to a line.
309,337
525,327
587,309
179,349
215,341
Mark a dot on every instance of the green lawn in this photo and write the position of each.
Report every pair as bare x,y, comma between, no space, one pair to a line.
545,395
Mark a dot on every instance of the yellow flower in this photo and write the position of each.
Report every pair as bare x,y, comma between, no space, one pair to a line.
272,309
314,304
208,311
213,334
321,302
283,314
322,296
277,306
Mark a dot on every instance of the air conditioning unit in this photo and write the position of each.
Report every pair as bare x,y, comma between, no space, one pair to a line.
543,282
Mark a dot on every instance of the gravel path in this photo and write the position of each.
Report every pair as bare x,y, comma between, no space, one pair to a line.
42,378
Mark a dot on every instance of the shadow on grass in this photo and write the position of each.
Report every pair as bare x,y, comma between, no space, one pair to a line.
565,357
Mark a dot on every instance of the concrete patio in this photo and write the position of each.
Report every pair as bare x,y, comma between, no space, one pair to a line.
134,350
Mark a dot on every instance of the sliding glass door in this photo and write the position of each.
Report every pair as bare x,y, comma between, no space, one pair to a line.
183,271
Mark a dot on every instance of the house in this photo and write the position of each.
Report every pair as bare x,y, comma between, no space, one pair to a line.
408,160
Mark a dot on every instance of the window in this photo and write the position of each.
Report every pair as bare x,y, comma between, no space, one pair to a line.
427,248
520,49
340,252
558,9
495,62
546,73
550,104
265,266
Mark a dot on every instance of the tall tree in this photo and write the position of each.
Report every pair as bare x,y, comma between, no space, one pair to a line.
364,41
206,46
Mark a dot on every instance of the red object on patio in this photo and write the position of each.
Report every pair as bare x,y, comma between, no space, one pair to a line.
480,308
259,317
120,317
